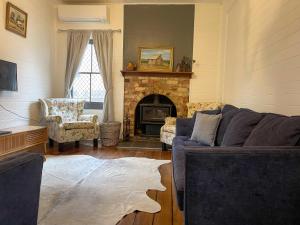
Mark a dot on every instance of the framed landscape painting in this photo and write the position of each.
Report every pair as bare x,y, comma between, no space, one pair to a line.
155,59
16,20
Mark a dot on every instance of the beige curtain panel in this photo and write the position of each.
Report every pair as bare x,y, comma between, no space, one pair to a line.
103,42
76,43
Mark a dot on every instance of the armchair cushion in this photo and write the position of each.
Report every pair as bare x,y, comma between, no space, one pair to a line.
170,121
169,128
90,118
78,125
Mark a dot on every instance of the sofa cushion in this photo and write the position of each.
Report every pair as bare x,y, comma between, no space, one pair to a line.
185,141
240,127
228,108
275,130
205,128
78,125
228,112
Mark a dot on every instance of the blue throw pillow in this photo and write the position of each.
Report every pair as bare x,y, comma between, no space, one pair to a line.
205,128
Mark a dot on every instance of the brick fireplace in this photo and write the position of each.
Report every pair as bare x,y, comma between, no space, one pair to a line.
138,85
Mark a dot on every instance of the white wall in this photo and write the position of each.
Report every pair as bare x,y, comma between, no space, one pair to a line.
116,22
33,56
262,55
205,84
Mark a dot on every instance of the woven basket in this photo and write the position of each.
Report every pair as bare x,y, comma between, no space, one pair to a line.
110,133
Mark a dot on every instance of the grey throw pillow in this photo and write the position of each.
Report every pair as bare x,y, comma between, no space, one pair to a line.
205,128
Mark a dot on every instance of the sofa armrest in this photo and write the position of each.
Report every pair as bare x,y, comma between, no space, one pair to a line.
184,126
90,118
20,180
255,185
52,118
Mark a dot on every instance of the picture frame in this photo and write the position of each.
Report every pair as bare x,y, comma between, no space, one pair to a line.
159,59
16,20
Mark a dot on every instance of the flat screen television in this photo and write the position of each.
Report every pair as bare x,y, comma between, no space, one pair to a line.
8,76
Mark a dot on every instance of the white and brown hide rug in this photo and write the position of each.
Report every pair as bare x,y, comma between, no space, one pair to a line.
83,190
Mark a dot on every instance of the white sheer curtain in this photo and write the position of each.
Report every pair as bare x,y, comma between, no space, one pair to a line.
77,43
103,43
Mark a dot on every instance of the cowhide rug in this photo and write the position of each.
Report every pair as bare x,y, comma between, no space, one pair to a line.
83,190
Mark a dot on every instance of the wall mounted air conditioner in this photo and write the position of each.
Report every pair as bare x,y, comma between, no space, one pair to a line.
83,13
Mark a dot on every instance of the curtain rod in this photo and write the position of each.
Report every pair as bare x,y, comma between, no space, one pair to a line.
65,30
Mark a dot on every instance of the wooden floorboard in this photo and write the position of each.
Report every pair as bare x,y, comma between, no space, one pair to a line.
169,214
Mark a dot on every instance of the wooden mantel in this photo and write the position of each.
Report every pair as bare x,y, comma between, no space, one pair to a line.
157,74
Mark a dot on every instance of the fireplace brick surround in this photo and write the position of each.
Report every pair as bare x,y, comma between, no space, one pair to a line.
139,85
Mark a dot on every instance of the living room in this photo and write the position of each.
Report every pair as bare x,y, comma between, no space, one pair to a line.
149,112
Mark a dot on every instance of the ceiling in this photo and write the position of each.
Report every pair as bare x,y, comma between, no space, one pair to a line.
138,1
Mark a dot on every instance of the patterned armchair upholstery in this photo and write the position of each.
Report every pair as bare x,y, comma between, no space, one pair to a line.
66,121
168,130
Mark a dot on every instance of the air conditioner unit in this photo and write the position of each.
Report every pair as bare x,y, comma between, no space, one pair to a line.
83,13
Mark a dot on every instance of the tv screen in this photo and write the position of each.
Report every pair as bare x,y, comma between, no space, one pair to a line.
8,76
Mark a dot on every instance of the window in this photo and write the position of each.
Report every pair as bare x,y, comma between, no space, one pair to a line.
88,83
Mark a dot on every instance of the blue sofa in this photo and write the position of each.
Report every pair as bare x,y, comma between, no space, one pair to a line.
250,177
20,180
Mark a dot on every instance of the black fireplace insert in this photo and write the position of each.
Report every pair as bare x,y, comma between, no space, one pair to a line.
151,113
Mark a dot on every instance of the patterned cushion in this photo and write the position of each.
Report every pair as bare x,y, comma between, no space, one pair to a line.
169,128
68,109
166,137
78,125
193,107
170,120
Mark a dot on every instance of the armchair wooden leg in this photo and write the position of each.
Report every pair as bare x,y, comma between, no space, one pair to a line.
51,143
164,146
60,147
95,143
76,144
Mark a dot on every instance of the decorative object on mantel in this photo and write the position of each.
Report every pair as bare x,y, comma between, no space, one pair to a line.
185,65
16,20
155,59
131,66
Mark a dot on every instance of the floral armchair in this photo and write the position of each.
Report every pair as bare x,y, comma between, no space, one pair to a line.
67,123
168,130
